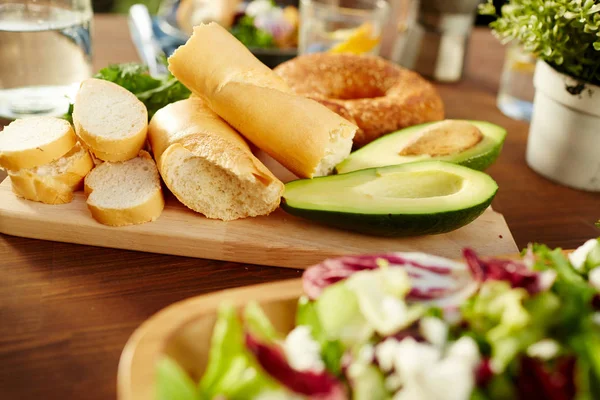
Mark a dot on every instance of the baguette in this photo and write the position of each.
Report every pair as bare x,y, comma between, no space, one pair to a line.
110,120
303,135
53,183
125,193
35,141
208,166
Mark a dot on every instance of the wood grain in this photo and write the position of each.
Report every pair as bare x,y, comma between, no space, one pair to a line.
67,310
279,239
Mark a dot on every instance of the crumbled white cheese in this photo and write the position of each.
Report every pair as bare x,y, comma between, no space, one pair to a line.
421,371
466,349
302,351
594,278
393,383
366,354
384,353
546,279
578,257
363,360
545,349
449,379
412,357
380,298
596,318
434,330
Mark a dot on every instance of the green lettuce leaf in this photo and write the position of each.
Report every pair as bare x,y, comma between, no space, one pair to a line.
509,320
173,383
331,350
154,92
232,372
258,323
369,385
246,32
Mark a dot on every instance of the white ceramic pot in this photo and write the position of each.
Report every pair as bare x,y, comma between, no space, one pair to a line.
564,137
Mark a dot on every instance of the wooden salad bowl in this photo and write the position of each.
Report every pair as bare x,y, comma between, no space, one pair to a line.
183,331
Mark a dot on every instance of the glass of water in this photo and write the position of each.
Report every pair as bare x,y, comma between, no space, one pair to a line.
353,26
45,51
515,95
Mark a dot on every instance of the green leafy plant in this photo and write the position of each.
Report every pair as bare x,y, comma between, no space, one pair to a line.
154,92
250,35
564,33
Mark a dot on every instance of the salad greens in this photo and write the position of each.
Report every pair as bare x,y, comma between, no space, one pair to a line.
154,92
392,327
232,371
246,32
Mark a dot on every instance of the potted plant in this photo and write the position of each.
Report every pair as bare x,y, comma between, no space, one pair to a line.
564,35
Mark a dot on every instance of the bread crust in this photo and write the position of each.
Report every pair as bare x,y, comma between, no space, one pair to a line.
41,190
377,95
41,154
189,128
294,130
106,148
148,211
51,189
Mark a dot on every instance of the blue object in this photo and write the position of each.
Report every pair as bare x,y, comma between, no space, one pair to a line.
168,43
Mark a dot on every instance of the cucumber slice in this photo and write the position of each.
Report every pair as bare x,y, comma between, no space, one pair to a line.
402,200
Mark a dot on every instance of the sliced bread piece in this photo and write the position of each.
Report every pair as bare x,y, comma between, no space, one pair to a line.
35,141
53,183
208,165
110,120
125,193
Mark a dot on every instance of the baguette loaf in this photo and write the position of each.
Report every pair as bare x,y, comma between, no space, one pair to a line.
35,141
208,166
109,120
53,183
303,135
125,193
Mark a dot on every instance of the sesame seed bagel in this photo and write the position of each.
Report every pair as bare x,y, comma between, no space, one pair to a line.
376,95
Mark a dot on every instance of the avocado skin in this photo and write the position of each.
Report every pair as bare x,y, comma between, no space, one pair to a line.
482,161
393,225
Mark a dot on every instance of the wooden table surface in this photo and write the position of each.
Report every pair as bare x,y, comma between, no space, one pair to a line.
66,310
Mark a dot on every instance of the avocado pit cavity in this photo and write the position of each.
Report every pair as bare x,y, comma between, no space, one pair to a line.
444,138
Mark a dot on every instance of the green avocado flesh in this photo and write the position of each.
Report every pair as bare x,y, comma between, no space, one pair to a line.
386,150
414,199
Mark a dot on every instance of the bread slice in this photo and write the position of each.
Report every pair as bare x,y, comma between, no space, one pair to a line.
53,183
125,193
303,135
208,165
110,120
35,141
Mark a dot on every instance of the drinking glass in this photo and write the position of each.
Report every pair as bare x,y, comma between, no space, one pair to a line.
342,25
515,95
45,51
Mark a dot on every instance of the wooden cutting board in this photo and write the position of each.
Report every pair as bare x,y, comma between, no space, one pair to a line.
278,240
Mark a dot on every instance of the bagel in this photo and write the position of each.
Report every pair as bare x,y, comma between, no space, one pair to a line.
372,93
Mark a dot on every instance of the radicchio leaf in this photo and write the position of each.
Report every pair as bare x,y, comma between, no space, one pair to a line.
317,385
432,278
514,272
484,372
536,381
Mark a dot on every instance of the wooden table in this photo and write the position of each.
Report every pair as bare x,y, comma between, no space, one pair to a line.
66,310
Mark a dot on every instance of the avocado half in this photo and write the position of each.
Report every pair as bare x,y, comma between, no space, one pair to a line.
386,150
413,199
